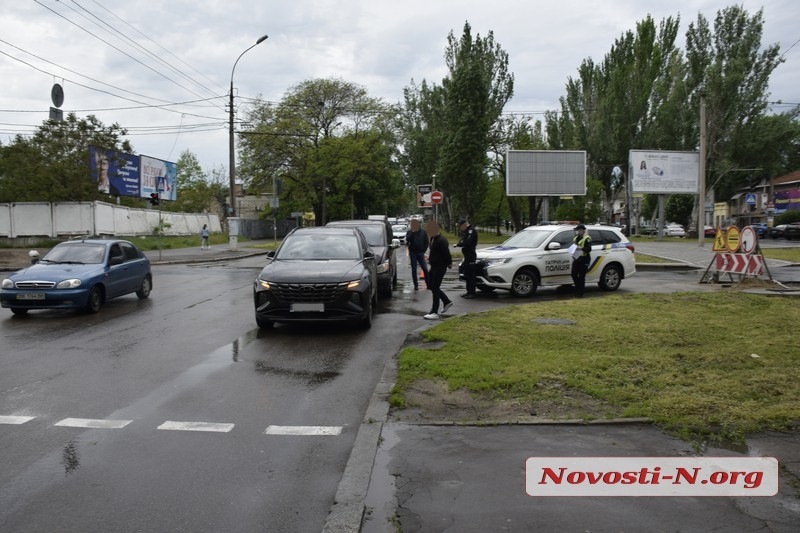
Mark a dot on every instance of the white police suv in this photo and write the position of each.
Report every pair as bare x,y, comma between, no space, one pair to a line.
538,255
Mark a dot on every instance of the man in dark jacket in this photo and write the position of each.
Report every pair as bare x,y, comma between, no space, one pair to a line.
440,260
468,243
417,242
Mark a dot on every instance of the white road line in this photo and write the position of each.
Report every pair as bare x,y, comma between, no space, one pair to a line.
304,430
92,423
196,426
15,419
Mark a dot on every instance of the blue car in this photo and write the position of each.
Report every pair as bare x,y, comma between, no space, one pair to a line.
79,274
761,228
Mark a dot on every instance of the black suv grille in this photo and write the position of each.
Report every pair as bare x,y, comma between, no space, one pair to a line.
307,292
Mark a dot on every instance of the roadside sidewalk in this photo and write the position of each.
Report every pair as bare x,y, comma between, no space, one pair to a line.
216,253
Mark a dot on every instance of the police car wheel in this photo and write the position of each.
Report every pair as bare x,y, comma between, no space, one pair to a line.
611,278
524,283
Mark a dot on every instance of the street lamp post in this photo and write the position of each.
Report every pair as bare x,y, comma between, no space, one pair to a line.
233,228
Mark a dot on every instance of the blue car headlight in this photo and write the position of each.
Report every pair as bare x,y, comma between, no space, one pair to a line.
69,284
8,284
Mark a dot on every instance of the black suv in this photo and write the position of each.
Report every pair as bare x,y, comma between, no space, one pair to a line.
317,274
380,238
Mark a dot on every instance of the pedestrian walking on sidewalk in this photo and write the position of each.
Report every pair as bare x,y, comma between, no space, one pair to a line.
417,243
440,260
204,238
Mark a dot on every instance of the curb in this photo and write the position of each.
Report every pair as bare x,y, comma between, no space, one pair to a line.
347,512
204,260
666,266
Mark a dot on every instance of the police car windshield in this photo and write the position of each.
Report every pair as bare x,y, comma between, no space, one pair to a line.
528,239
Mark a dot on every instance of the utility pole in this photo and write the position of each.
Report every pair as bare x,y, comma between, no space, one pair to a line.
701,178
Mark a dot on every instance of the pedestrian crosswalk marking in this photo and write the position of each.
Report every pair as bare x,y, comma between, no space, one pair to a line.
15,420
304,430
196,426
92,423
172,425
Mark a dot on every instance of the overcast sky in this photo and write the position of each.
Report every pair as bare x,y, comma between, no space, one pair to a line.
380,45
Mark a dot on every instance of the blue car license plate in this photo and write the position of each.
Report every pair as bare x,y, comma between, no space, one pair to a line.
30,296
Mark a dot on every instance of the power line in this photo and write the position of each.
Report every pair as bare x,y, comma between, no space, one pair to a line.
101,90
117,49
119,35
160,46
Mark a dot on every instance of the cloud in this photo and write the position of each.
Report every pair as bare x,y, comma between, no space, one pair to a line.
380,45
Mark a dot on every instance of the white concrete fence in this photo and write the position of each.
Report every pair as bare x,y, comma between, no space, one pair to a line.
72,219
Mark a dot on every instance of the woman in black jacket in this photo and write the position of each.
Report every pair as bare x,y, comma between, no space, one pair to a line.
439,260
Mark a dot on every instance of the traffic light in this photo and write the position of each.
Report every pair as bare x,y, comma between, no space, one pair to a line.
154,198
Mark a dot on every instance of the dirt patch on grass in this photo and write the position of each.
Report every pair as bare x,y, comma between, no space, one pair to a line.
432,402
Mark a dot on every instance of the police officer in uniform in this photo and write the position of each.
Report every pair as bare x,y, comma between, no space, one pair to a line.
468,243
580,264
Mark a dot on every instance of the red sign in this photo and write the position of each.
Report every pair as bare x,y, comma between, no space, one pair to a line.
437,197
740,264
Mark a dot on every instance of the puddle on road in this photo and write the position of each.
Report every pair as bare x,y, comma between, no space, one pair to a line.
311,378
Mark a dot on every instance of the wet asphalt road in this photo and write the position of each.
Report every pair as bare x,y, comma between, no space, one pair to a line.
192,354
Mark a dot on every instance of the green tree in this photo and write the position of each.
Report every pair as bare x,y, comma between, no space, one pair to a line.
53,164
331,144
421,131
476,89
611,107
196,194
515,133
729,67
679,209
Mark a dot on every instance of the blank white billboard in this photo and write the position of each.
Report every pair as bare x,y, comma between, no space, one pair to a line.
655,172
545,173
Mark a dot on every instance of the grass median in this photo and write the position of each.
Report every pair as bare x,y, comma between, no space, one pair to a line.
706,366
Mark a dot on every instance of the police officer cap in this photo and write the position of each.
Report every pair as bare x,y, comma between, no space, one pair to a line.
579,227
462,221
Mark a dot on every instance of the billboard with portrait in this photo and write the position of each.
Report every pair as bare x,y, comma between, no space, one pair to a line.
115,173
158,176
661,172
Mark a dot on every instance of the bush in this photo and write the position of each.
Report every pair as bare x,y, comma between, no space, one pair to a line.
788,217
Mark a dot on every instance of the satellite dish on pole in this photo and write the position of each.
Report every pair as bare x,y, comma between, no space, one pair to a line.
57,95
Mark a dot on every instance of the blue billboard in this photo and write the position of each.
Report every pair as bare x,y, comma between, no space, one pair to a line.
115,173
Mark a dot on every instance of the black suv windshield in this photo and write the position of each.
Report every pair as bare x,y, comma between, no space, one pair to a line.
320,247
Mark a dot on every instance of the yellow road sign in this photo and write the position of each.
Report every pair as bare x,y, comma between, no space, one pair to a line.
719,241
733,239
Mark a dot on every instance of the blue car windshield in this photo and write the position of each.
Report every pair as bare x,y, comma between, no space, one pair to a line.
320,247
85,253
